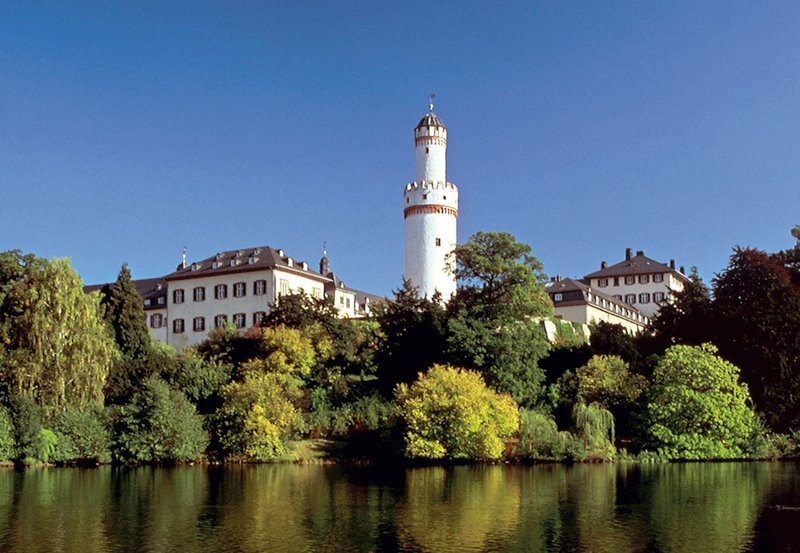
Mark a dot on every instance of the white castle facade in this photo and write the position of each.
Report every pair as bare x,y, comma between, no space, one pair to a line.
430,209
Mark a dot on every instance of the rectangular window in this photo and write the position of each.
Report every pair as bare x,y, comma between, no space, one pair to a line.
658,278
260,287
220,320
438,241
156,320
630,299
161,300
658,297
644,298
618,297
348,303
199,324
177,326
284,287
239,289
644,279
630,279
317,293
221,291
602,283
616,281
200,293
177,296
239,320
557,297
147,302
258,317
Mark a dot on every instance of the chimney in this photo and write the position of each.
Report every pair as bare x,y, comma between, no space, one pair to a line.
640,253
682,271
558,278
672,264
603,264
628,254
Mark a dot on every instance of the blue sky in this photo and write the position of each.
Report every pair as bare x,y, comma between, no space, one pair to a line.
130,130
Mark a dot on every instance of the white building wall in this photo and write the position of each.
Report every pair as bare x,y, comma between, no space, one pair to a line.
670,284
211,307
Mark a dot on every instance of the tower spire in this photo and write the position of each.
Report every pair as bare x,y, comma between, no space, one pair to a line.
430,102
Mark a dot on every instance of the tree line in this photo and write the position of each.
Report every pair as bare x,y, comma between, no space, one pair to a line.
716,375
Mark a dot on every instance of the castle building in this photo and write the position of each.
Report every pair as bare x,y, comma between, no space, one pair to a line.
577,302
238,287
639,281
430,210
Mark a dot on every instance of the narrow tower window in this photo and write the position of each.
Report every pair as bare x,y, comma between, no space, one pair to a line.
427,150
438,241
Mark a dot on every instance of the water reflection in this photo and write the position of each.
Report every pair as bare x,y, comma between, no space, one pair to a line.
549,508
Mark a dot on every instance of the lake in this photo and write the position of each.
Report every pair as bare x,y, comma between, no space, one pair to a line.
710,507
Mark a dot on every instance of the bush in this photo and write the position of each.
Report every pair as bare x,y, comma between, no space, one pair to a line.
451,413
698,409
82,435
7,444
368,413
159,425
257,416
26,416
539,437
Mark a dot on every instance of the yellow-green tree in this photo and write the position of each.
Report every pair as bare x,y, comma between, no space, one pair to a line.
261,410
59,350
450,413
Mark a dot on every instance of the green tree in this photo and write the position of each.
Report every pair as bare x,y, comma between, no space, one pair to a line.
757,309
697,408
59,352
451,413
158,425
125,314
493,318
412,337
82,435
607,381
687,319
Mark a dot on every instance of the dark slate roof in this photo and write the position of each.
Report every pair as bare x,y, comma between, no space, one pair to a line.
574,292
637,265
147,288
263,257
430,120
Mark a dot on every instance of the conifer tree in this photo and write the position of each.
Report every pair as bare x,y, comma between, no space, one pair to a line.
125,314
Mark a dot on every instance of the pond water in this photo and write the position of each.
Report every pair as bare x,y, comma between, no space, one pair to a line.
724,507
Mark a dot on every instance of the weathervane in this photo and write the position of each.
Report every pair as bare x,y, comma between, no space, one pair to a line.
430,102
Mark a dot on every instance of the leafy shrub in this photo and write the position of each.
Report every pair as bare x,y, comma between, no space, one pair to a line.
364,414
594,426
82,435
539,437
158,425
257,416
451,413
26,416
7,444
698,409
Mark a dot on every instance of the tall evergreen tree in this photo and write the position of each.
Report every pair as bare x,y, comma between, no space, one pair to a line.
125,314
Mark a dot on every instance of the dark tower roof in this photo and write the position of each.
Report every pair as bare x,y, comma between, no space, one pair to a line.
430,120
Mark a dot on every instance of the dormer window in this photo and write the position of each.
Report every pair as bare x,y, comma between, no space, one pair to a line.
289,261
234,263
215,265
195,266
161,300
251,260
239,253
256,251
147,302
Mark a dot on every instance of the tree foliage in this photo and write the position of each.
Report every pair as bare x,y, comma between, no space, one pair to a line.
451,413
698,409
687,319
412,337
492,320
607,381
125,315
58,350
158,425
757,309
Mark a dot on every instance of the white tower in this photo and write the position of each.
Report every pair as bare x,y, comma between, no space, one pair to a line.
430,209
